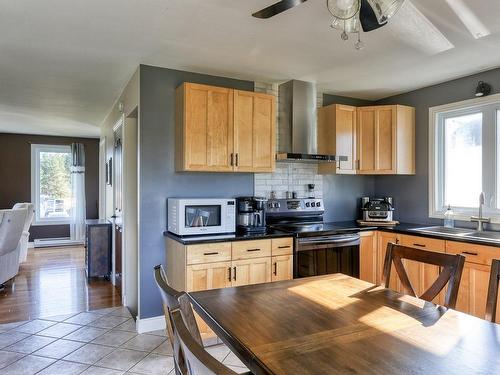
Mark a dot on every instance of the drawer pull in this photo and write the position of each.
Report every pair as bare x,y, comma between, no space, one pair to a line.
234,276
275,269
253,249
284,247
469,253
419,245
229,269
212,253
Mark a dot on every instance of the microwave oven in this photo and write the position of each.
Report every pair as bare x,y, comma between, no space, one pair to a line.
201,216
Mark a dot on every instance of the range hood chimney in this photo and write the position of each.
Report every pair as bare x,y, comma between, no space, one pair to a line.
297,125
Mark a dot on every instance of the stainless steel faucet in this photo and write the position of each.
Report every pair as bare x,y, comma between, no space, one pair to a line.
480,219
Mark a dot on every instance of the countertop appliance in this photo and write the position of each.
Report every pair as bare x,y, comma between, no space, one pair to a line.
377,209
319,248
251,214
196,216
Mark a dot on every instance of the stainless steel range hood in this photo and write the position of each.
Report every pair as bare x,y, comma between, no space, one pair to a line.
297,126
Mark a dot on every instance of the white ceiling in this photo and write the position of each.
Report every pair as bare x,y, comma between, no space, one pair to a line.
64,62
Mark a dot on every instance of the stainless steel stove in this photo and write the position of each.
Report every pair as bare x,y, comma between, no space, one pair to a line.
320,247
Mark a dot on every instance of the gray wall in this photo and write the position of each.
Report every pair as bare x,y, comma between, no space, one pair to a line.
410,193
158,179
342,193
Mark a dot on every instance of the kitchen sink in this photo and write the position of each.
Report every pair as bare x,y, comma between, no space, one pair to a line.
485,235
445,231
460,232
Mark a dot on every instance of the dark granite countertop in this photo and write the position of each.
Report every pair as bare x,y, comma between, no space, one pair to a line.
238,236
347,226
409,228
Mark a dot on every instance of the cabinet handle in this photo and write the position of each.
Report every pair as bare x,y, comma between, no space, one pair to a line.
229,269
275,269
232,160
284,247
213,253
253,249
470,253
234,276
418,244
237,159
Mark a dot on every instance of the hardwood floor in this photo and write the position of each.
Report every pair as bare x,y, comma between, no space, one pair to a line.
52,282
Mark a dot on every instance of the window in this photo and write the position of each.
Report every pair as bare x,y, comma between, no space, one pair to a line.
465,157
51,183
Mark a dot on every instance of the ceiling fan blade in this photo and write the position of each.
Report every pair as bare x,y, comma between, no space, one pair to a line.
277,8
367,17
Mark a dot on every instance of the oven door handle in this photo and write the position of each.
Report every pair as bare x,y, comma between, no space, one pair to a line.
329,240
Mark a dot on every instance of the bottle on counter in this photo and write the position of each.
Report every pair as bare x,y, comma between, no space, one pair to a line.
449,222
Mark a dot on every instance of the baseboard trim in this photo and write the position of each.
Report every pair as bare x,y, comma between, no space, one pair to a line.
150,324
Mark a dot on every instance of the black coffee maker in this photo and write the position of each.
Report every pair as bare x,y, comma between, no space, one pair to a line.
251,214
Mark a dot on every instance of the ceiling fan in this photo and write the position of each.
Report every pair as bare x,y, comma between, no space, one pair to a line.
348,15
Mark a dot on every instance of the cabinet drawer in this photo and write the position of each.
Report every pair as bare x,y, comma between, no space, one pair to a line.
473,253
424,243
208,253
251,249
282,246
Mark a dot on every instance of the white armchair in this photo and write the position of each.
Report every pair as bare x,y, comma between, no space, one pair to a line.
11,230
26,230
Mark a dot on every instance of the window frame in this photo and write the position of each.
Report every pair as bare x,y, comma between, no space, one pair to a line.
36,149
437,115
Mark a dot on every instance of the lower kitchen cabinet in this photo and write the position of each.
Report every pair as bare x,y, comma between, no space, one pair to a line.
473,289
282,267
251,271
368,267
226,264
208,276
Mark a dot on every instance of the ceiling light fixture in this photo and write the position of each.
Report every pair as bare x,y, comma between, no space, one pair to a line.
348,15
482,89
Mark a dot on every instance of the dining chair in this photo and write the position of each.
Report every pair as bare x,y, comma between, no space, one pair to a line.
170,302
451,267
492,298
198,360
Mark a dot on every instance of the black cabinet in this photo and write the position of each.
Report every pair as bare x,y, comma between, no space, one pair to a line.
98,248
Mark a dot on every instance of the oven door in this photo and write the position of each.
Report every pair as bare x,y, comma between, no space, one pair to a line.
323,255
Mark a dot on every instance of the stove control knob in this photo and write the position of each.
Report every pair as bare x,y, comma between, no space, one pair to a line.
308,204
318,204
313,204
277,205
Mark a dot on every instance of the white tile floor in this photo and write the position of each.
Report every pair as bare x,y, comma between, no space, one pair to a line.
99,342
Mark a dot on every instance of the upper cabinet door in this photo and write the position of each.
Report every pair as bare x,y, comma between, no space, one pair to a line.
254,132
204,117
337,136
386,140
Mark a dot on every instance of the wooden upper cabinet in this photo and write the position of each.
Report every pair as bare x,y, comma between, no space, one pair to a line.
254,131
337,136
204,128
386,139
224,130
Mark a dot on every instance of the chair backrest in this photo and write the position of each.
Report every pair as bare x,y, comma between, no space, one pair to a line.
198,361
30,207
451,271
170,302
11,229
492,299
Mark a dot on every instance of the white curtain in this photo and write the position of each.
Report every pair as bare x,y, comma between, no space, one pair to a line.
77,223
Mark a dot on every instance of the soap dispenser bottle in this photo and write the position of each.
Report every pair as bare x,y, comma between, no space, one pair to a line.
448,218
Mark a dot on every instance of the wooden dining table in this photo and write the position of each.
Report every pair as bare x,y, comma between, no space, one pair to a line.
337,324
